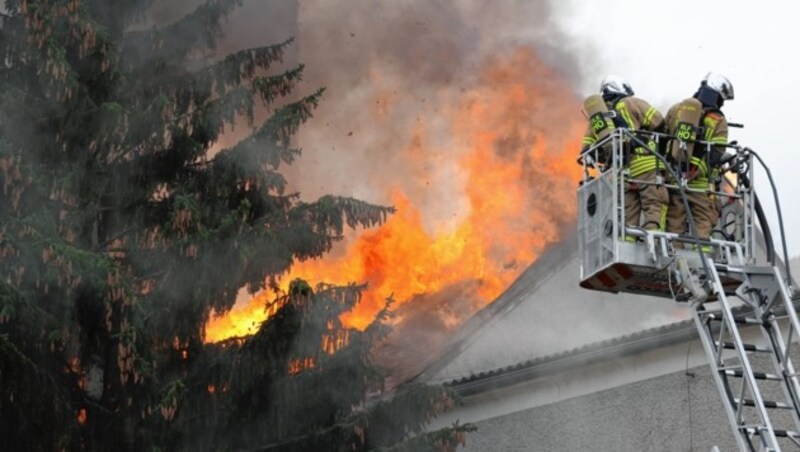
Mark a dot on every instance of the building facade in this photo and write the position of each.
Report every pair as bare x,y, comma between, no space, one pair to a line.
550,366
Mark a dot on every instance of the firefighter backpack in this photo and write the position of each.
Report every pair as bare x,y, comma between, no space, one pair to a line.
599,117
685,128
600,120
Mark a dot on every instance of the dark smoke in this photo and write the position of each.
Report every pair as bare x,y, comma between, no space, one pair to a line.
425,326
415,57
390,69
412,56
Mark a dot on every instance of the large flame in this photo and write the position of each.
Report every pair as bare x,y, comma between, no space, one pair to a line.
512,168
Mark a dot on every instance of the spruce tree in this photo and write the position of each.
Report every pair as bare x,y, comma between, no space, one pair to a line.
122,228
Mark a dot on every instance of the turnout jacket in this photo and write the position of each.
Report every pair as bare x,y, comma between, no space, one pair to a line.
635,114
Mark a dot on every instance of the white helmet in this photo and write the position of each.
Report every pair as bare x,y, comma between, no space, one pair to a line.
720,84
614,85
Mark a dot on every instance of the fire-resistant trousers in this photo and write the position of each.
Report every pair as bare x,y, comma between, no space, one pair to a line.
648,199
704,213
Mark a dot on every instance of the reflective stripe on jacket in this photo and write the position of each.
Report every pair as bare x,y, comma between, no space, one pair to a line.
638,114
716,132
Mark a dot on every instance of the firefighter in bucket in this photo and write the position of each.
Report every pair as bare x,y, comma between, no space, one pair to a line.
698,118
616,107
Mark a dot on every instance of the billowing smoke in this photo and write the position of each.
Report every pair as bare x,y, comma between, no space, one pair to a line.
391,68
422,100
461,114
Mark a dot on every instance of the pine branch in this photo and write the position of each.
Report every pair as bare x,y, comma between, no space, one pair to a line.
443,440
189,87
268,147
331,213
15,361
378,328
114,237
243,65
272,87
407,412
200,29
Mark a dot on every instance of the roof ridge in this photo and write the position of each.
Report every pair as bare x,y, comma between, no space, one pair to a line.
613,344
556,256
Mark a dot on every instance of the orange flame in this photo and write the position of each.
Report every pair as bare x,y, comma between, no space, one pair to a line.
516,135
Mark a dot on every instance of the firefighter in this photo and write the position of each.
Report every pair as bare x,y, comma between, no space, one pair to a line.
644,193
698,118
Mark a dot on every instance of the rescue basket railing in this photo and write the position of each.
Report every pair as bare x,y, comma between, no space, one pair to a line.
731,240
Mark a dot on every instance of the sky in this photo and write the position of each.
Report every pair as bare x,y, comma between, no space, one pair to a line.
665,48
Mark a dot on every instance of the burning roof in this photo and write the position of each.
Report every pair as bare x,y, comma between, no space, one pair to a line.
476,207
544,313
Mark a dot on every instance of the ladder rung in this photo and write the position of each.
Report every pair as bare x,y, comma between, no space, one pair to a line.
757,375
747,347
778,432
767,404
740,320
786,433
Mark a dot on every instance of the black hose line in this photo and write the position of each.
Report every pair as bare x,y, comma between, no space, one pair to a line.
684,199
762,220
780,215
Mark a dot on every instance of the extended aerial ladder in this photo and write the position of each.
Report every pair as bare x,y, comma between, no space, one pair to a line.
731,282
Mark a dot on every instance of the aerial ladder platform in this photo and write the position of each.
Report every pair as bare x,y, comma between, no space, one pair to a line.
735,287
